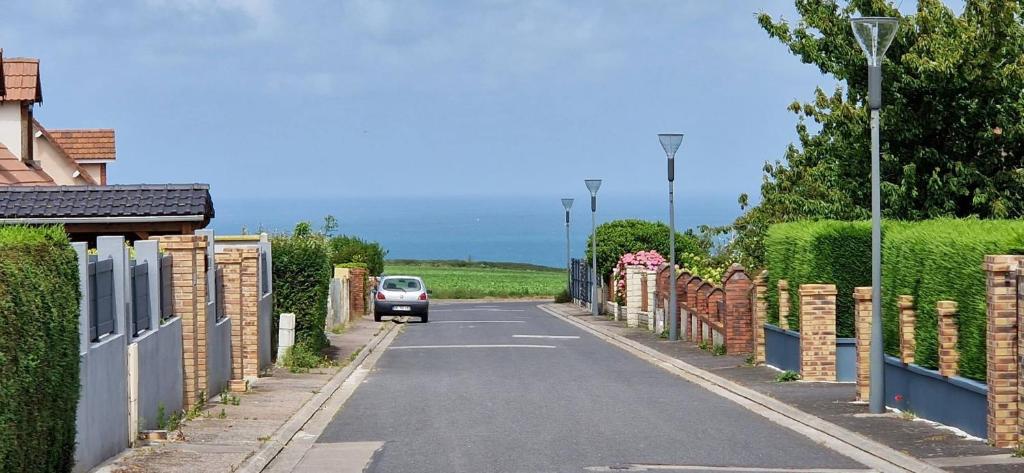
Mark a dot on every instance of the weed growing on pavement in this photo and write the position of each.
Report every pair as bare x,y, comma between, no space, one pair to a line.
663,334
704,345
787,376
300,359
1018,452
223,414
161,416
263,438
197,409
718,350
230,399
908,415
750,360
338,329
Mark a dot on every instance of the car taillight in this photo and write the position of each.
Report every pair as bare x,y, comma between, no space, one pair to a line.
380,296
423,296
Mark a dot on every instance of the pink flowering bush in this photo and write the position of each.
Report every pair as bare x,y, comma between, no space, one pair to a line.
650,260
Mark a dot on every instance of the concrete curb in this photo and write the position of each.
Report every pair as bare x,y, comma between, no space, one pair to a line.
851,444
265,454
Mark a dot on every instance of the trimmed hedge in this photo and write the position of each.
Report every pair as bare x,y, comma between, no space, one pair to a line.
346,249
826,251
302,278
39,378
942,260
931,260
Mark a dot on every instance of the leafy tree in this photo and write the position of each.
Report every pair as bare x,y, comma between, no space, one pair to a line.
351,249
952,119
619,237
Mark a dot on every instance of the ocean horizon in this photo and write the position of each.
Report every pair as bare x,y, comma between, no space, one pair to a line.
506,229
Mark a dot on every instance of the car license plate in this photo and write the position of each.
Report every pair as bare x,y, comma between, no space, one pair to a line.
402,308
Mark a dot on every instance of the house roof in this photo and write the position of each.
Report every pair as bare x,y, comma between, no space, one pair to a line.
1,75
21,80
13,172
86,144
124,203
83,174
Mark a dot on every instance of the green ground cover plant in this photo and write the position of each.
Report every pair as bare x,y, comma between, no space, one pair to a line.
482,279
39,299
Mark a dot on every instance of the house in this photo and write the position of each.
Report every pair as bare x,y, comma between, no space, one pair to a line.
60,176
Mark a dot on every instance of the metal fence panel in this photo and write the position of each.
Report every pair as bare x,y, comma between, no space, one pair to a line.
218,278
265,269
166,291
140,298
101,280
580,280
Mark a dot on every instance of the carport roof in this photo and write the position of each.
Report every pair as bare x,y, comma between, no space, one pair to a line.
118,203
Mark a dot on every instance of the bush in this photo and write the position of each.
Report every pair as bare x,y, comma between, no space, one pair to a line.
349,249
39,358
619,237
302,278
827,252
942,260
563,297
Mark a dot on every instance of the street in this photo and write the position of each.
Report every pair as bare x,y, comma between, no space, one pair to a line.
505,387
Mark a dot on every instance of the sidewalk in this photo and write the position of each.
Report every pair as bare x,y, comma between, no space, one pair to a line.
224,435
832,402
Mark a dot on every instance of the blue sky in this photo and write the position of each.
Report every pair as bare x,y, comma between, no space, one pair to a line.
327,99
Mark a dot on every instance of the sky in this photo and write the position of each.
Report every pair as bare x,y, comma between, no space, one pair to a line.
342,99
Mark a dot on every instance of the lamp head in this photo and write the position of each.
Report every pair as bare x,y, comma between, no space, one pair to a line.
593,185
874,35
670,143
567,203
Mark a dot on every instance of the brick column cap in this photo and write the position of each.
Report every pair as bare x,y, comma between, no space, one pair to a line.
783,284
818,289
946,307
862,293
1001,263
906,302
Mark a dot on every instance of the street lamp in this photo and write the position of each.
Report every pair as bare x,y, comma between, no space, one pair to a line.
874,34
567,203
670,143
593,185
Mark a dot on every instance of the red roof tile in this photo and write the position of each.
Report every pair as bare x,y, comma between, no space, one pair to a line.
21,80
16,173
86,144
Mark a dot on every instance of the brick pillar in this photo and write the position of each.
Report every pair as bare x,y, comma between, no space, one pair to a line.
760,313
738,317
229,263
188,285
784,304
681,313
250,317
818,332
644,303
1002,350
862,324
357,293
650,296
949,356
908,319
634,295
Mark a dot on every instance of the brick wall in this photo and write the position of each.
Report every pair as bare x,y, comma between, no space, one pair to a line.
949,356
357,293
634,294
241,292
1003,372
739,314
818,332
862,324
908,319
783,304
760,314
188,284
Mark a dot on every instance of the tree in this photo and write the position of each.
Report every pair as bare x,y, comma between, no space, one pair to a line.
619,237
952,119
351,249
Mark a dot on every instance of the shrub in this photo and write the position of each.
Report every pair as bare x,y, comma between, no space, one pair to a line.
350,249
302,278
827,252
39,378
942,260
563,297
619,237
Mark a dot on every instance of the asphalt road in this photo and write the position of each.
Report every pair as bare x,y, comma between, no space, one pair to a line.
453,396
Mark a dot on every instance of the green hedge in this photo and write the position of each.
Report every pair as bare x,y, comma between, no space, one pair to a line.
39,379
346,249
825,251
619,237
931,260
302,278
942,260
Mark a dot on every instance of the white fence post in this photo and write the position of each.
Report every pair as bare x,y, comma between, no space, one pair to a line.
82,250
285,335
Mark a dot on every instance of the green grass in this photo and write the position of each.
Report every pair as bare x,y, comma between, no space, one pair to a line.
475,280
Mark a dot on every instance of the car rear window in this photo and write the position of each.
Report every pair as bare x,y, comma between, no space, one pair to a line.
400,284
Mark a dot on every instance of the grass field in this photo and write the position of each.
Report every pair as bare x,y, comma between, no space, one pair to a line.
465,280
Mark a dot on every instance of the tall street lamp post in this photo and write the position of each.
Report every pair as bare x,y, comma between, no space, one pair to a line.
567,203
593,185
670,143
874,34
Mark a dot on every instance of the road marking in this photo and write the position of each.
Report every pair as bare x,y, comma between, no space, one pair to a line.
560,337
643,467
412,347
480,309
479,322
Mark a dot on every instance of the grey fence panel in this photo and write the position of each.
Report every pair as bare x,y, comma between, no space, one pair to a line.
101,281
140,298
580,289
219,281
265,268
166,292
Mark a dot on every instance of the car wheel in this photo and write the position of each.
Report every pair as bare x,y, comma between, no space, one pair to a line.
376,317
423,318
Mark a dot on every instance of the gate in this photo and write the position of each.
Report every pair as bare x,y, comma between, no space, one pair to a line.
580,284
140,297
101,298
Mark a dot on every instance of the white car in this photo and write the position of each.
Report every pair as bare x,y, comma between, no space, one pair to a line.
401,295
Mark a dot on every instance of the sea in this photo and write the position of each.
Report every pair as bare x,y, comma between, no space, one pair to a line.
528,229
